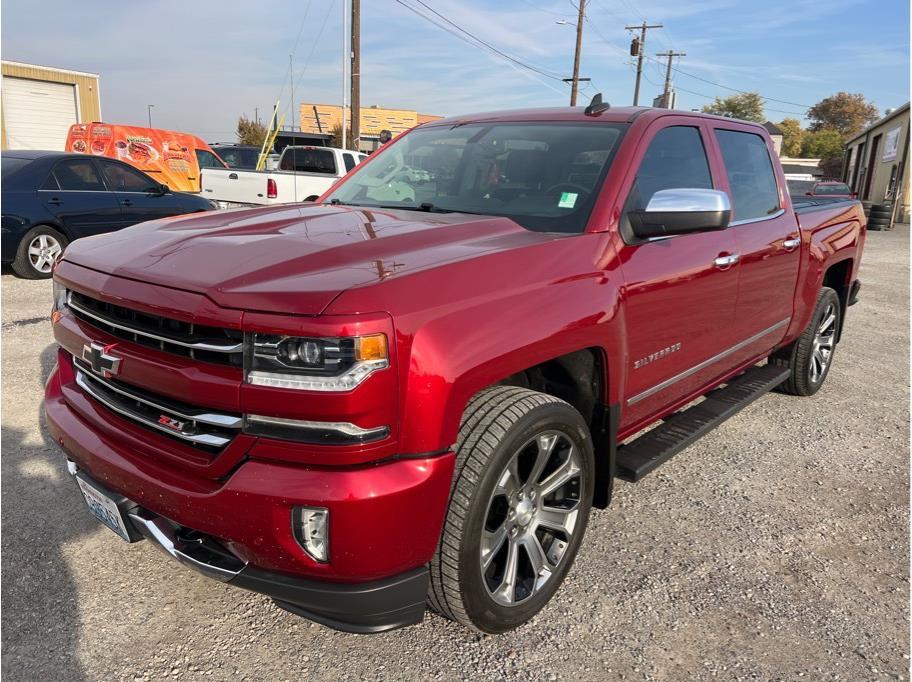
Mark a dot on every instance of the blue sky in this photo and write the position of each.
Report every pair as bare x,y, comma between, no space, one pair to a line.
204,62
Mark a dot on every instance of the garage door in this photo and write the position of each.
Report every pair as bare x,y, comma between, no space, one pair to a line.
37,114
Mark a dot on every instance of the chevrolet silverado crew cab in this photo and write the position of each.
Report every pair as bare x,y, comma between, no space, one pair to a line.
414,391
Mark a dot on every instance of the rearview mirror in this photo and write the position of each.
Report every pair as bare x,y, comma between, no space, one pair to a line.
160,190
672,212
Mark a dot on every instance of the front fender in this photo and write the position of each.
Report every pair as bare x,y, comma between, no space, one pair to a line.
458,353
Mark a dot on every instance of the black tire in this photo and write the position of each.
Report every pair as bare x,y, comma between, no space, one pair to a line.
799,356
25,265
878,224
500,425
881,213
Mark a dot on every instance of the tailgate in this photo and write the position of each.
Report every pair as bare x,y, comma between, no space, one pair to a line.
231,184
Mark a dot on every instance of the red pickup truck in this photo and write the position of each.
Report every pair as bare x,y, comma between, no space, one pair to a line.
415,390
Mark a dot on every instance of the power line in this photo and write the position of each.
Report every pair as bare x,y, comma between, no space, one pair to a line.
470,39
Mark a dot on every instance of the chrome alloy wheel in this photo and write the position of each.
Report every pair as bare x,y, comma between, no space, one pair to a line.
43,252
531,517
824,340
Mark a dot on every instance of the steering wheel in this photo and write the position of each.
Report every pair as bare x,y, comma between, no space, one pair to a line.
568,185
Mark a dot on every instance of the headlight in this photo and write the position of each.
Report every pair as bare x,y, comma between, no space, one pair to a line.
316,364
60,301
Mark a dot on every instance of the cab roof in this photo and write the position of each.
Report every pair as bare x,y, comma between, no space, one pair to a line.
612,115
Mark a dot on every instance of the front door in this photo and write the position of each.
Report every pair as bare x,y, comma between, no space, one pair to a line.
679,293
139,196
75,194
767,237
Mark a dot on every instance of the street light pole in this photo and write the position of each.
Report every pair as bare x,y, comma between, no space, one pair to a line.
149,110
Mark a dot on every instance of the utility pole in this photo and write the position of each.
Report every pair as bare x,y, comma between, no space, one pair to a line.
356,75
638,49
574,87
149,110
666,95
345,57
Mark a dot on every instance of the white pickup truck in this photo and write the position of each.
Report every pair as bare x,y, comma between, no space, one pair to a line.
303,173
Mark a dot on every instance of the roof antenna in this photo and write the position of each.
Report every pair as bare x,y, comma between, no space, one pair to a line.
596,106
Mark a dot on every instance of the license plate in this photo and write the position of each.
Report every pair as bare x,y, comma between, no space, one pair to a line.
104,508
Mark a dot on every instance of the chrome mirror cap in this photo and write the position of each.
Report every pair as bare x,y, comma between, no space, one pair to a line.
688,200
672,212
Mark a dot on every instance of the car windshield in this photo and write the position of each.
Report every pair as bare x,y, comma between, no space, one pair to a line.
10,164
545,176
836,188
238,157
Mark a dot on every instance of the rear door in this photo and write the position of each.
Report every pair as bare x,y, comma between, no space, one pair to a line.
137,194
76,195
679,303
767,236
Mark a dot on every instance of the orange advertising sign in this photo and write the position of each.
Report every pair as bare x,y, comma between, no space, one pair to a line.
168,156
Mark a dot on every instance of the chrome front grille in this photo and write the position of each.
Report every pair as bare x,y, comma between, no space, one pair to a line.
209,430
208,344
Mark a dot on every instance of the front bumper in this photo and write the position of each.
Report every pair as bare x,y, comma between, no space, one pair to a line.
385,518
370,607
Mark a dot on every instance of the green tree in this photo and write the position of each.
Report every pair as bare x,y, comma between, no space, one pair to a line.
747,106
250,132
792,136
848,113
823,144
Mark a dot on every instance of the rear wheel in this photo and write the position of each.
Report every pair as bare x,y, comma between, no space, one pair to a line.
519,506
40,248
811,356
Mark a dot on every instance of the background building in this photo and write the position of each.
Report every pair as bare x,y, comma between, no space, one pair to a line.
775,135
876,163
327,118
40,103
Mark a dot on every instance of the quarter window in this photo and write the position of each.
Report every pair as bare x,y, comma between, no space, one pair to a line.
754,192
78,175
675,159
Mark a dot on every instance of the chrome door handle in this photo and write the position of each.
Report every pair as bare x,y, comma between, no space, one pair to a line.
725,262
232,176
792,243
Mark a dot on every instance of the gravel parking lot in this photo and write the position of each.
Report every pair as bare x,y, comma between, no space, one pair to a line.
775,548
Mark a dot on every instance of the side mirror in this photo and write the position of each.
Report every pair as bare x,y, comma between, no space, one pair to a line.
160,190
854,195
808,194
672,212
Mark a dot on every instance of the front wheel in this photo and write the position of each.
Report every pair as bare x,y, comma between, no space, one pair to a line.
810,357
518,510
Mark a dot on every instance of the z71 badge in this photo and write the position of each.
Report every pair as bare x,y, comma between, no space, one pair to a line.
171,423
652,357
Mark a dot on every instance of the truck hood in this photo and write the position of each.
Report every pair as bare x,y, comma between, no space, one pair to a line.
295,258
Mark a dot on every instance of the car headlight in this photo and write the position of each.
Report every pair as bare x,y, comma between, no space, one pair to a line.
316,364
60,301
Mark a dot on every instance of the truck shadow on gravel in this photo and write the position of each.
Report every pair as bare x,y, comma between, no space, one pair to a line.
40,616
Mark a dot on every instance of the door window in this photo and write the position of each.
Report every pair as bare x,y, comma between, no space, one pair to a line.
754,193
78,175
675,159
207,159
121,178
349,162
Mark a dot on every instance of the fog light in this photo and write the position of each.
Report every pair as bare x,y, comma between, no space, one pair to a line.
311,529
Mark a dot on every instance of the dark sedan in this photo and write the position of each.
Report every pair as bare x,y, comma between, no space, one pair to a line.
51,198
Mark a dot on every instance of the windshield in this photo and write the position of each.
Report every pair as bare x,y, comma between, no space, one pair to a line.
238,157
836,188
10,164
545,176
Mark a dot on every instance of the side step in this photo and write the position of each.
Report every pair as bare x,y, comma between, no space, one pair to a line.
657,446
